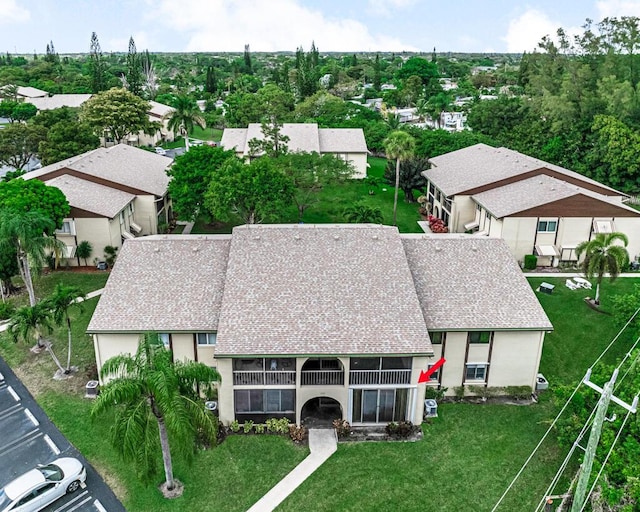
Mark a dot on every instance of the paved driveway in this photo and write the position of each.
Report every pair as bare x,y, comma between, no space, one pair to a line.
27,438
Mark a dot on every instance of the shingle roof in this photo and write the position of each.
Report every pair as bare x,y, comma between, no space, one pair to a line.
319,289
532,192
165,284
59,101
159,109
479,165
126,165
466,282
305,137
31,92
92,197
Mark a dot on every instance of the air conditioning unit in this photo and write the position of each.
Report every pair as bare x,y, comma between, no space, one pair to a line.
92,389
430,408
211,405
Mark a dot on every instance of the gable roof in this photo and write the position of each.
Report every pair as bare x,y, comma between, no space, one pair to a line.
58,101
165,284
121,164
480,165
319,289
91,197
159,109
305,137
31,92
466,282
536,191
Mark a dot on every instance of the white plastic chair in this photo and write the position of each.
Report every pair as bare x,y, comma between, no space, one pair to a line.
582,283
571,285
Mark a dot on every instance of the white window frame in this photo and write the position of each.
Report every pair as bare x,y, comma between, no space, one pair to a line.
210,337
165,338
546,226
477,366
72,228
435,376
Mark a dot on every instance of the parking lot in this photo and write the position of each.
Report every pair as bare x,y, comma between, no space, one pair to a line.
28,438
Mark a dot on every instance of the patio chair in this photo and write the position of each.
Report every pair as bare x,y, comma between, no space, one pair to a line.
571,285
582,283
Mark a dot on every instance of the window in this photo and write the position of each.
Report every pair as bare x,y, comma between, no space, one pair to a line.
67,227
380,405
547,226
437,337
476,371
121,218
435,376
131,210
164,338
207,338
479,336
432,189
265,400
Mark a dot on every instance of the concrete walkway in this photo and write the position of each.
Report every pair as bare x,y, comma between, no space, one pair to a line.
188,226
322,444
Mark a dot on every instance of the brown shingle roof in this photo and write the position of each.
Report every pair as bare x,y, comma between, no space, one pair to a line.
165,284
319,289
466,282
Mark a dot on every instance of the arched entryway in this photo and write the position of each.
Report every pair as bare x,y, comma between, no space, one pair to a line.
320,412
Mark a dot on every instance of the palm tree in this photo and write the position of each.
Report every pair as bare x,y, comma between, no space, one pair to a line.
28,322
26,233
185,115
59,302
150,390
398,145
602,255
84,250
363,213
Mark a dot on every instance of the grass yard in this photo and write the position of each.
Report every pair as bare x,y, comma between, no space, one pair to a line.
206,133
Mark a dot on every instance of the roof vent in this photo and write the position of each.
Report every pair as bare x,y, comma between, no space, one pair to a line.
438,248
474,248
195,249
375,237
296,236
336,237
257,237
156,249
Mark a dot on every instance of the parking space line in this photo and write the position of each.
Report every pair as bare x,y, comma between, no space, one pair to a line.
99,506
84,494
31,417
13,394
10,411
22,440
52,445
1,376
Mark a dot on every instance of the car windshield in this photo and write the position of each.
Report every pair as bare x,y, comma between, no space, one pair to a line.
51,472
4,500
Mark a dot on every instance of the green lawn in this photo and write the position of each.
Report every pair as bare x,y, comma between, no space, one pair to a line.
206,133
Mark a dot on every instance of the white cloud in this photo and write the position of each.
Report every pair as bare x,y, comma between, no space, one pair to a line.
617,8
526,31
227,25
386,7
10,12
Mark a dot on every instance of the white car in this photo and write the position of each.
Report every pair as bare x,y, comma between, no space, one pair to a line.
43,485
161,151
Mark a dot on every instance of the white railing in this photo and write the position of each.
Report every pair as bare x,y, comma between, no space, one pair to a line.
364,377
262,378
322,377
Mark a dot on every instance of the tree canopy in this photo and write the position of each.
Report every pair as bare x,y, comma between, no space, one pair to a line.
33,195
19,143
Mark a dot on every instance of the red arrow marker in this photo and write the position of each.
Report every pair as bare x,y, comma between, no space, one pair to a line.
424,376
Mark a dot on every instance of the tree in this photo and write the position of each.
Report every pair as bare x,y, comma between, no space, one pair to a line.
156,403
134,69
255,192
248,68
417,66
25,233
14,111
411,177
310,173
602,255
8,268
66,139
191,175
59,303
399,146
97,66
34,195
84,251
117,113
19,143
362,213
185,115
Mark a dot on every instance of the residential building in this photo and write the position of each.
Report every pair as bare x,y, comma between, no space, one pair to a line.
536,207
115,193
54,101
339,318
346,143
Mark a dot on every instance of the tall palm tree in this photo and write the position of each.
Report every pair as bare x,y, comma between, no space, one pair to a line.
185,115
603,255
29,322
155,399
59,302
26,233
399,146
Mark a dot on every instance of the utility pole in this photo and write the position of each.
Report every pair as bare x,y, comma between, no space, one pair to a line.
594,437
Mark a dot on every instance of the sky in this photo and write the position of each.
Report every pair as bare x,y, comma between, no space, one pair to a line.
478,26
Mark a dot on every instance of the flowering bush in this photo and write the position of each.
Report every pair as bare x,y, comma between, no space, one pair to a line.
437,225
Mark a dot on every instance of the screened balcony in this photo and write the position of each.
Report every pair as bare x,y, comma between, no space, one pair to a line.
260,371
322,372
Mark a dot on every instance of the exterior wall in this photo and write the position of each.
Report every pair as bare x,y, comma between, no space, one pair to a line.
630,226
359,161
145,214
160,136
495,227
182,346
463,212
226,406
109,345
98,231
519,233
306,393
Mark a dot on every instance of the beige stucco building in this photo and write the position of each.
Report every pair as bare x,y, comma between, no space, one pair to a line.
303,320
536,207
114,193
347,144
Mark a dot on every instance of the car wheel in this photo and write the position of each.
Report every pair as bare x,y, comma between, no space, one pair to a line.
73,486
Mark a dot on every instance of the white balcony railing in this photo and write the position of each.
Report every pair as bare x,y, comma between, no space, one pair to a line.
322,377
262,378
365,377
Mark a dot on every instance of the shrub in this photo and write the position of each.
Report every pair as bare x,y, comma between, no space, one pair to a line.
519,392
278,426
110,254
435,393
259,428
343,429
483,391
248,425
6,310
297,433
400,430
234,426
530,261
437,225
459,392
